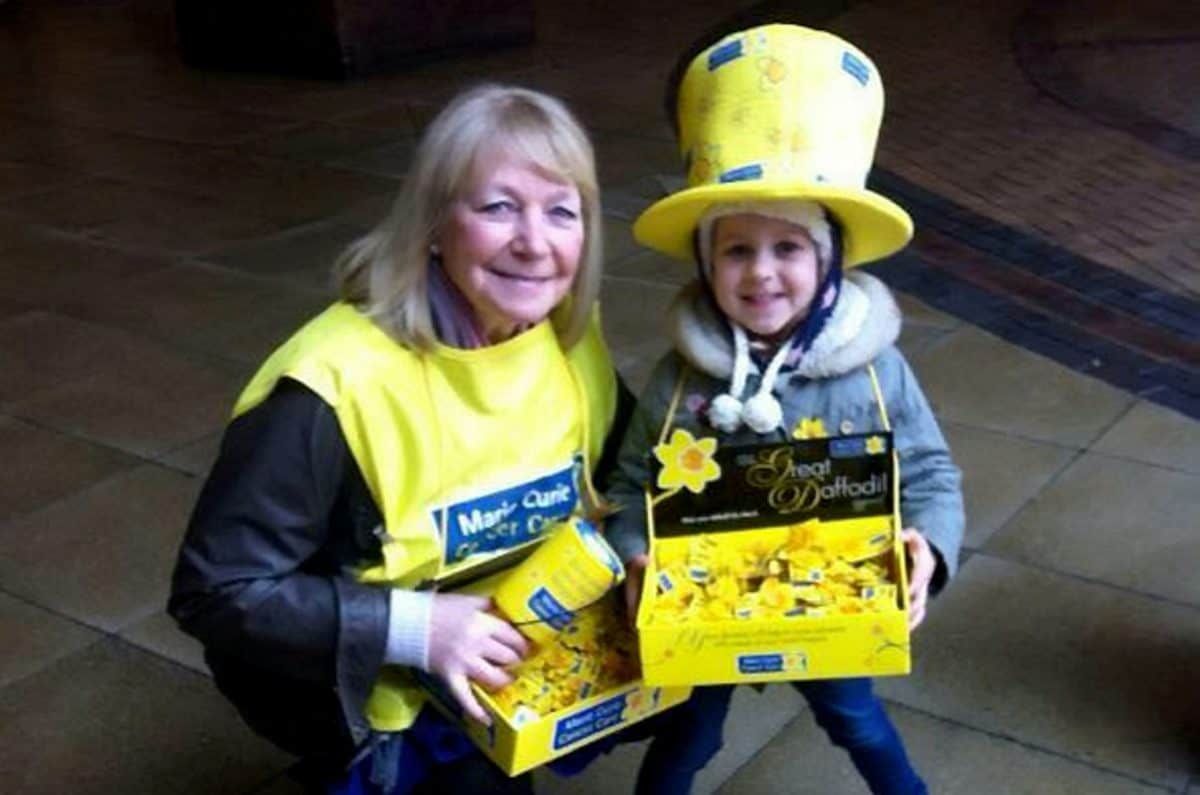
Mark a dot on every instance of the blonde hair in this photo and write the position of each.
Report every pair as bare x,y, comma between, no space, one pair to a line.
386,272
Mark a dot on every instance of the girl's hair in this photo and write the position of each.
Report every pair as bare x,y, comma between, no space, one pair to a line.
386,272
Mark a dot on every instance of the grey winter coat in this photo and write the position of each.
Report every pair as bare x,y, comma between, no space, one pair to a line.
830,382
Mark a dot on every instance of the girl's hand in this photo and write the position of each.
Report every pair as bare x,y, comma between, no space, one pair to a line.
921,567
635,575
468,644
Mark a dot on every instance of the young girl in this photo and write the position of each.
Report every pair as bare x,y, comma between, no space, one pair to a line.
777,338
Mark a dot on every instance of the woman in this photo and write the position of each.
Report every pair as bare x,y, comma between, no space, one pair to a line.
383,446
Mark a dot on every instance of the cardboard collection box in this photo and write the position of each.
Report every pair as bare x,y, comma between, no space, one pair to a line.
756,508
522,741
519,748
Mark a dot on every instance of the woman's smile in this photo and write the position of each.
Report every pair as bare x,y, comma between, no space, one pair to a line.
512,244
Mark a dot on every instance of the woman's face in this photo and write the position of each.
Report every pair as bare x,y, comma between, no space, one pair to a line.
512,244
764,273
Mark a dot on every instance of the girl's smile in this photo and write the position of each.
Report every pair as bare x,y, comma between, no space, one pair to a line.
764,273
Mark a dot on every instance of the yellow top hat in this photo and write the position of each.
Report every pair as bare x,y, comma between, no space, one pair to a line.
780,112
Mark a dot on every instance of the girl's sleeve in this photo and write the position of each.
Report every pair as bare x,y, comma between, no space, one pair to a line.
626,530
931,497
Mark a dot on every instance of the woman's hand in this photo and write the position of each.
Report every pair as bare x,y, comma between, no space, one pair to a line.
635,575
468,644
921,567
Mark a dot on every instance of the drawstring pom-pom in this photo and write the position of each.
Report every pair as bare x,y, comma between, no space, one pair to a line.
725,413
763,413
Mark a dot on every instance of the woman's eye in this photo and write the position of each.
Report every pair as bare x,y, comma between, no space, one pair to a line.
498,207
564,213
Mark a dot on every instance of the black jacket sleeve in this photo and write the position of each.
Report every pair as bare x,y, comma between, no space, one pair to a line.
263,575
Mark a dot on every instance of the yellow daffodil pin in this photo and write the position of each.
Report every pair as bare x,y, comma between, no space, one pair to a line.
809,428
687,462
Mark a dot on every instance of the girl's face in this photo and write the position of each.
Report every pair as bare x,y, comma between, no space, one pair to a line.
764,273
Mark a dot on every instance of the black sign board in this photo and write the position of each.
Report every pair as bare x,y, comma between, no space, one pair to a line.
768,485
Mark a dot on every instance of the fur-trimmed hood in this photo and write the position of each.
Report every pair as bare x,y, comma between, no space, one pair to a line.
865,322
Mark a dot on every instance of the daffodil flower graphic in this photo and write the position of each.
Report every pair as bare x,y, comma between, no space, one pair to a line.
809,428
687,462
772,71
874,445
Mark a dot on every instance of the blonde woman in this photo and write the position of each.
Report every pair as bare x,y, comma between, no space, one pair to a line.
462,370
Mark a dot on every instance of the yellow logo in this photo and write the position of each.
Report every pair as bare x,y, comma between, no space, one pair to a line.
809,428
687,462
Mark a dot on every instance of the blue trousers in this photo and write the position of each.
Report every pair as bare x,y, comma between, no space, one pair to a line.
687,737
854,719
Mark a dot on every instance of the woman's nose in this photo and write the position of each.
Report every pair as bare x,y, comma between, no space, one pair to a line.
530,235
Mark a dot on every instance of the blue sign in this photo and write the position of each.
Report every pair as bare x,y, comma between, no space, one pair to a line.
742,173
760,663
543,605
509,517
722,55
847,447
855,67
572,728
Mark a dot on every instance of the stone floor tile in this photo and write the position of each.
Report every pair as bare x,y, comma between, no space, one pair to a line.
249,343
1099,675
35,638
611,773
1000,474
176,303
1155,435
318,142
754,718
620,159
301,257
155,118
196,457
916,338
8,309
1128,524
149,400
1017,392
42,466
159,634
295,193
50,271
606,110
953,759
16,231
917,312
650,266
391,159
398,117
618,243
103,556
112,718
144,218
634,312
23,179
41,350
285,192
366,213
